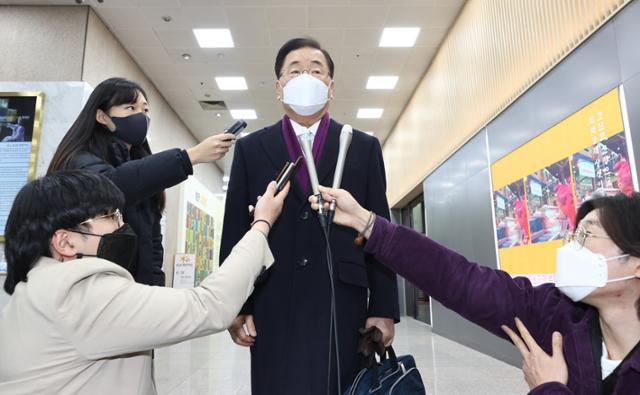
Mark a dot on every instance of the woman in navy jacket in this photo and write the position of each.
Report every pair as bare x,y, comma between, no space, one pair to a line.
579,336
109,137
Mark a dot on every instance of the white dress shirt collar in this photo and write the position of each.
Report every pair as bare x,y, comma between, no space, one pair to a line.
300,130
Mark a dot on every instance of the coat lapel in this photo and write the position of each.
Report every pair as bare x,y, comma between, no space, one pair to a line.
275,149
329,155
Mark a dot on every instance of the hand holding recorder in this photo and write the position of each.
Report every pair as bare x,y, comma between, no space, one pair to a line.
282,180
215,147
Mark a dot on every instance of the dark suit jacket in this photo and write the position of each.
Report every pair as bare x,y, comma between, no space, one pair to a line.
291,306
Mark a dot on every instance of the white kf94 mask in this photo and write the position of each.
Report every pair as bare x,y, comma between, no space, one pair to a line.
580,271
305,94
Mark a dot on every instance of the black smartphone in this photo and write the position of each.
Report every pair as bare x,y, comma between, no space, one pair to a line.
282,171
237,127
285,174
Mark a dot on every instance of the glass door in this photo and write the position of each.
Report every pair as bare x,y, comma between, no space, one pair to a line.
418,304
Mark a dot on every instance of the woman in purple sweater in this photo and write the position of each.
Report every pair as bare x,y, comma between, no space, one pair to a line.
578,336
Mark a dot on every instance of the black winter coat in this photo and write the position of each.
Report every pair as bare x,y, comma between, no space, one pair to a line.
140,180
291,306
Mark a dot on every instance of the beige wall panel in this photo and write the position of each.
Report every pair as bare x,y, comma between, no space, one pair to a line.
494,52
41,43
104,58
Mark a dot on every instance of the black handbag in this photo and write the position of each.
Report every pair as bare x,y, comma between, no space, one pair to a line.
392,375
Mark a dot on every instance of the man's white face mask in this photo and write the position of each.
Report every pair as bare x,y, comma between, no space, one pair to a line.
305,94
580,271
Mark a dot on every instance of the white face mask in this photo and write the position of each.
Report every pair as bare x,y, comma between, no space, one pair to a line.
579,271
305,94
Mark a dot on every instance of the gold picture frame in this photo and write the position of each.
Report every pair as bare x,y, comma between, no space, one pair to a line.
36,130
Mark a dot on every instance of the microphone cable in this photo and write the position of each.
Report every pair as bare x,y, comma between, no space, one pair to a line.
333,320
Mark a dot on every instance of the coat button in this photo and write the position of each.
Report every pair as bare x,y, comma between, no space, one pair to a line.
303,262
304,215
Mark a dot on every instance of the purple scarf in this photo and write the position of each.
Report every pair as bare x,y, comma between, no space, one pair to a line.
294,150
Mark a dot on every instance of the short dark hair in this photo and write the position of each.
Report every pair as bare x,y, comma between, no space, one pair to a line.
620,218
297,43
60,200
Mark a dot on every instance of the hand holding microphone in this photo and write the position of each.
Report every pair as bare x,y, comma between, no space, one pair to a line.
305,143
348,211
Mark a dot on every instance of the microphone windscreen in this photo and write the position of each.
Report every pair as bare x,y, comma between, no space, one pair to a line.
345,142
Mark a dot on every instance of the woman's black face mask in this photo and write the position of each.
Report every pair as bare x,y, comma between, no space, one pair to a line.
119,247
132,129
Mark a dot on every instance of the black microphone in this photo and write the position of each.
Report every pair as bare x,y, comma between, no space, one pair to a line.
345,141
305,144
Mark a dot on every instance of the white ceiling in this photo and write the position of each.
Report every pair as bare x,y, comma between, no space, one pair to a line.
348,29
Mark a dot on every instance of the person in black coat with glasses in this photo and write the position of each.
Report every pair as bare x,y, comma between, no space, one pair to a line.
109,137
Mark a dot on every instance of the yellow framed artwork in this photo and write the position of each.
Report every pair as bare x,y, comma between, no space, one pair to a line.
538,187
20,127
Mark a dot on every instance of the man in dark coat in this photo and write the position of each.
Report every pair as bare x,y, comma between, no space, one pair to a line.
286,321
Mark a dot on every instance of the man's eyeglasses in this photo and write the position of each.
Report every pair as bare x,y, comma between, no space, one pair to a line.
115,216
580,236
296,71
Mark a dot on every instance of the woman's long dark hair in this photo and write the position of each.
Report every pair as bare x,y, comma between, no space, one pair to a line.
87,134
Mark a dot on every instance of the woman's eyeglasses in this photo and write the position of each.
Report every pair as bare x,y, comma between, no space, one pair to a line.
580,236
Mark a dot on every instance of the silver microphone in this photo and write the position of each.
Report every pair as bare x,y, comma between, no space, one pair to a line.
345,141
305,144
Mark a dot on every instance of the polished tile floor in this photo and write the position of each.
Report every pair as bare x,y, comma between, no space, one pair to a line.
215,365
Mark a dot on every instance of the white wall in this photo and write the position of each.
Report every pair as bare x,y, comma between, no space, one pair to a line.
72,44
41,43
62,103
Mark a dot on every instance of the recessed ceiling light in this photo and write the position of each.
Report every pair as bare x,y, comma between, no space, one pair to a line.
213,38
218,115
370,113
231,83
186,56
225,179
382,82
399,36
243,114
225,187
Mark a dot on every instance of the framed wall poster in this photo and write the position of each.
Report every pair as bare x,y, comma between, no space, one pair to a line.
200,220
3,263
20,125
538,187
